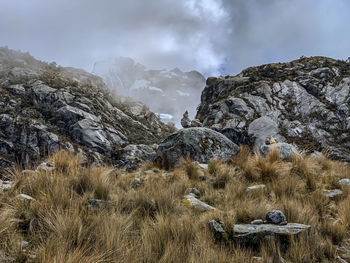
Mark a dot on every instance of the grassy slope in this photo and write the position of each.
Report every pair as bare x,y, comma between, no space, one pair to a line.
152,224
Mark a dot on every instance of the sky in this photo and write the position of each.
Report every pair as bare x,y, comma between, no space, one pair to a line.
215,37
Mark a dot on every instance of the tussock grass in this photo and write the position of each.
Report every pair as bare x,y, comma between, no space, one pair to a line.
151,224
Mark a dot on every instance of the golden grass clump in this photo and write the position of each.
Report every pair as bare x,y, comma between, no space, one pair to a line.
150,223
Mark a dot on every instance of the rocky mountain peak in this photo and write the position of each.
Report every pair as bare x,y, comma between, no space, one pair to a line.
166,92
305,102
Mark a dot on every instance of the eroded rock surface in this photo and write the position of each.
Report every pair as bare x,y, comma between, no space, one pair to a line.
305,102
199,144
45,108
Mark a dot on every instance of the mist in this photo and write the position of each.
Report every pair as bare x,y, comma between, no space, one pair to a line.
211,36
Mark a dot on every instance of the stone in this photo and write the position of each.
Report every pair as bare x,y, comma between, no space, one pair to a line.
46,167
217,229
255,187
252,235
97,204
203,166
275,217
344,181
185,121
333,193
196,123
133,155
5,185
257,222
341,260
24,244
261,128
167,175
192,201
138,182
199,144
194,191
286,150
24,197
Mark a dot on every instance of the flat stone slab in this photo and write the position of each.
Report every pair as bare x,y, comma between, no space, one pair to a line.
333,193
288,229
191,200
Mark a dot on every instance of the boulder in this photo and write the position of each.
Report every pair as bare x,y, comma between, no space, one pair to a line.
252,235
199,144
262,128
275,217
286,150
133,155
218,231
192,201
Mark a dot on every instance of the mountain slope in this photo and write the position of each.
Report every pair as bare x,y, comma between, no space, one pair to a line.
45,107
305,102
167,92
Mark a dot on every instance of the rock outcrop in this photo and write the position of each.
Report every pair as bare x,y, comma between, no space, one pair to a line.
166,92
44,108
305,102
199,144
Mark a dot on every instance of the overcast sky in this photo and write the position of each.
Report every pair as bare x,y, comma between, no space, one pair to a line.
211,36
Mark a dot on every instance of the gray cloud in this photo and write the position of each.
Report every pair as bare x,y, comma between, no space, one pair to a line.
212,36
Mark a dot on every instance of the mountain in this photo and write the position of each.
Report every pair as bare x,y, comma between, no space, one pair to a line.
45,107
167,92
305,102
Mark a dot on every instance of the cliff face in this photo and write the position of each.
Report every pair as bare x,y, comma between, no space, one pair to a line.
305,102
44,107
167,92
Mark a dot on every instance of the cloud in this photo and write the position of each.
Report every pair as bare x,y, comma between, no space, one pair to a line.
212,36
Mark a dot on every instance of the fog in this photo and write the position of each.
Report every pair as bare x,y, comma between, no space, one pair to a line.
211,36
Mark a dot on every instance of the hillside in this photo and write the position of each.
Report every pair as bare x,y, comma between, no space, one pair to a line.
305,102
45,107
74,214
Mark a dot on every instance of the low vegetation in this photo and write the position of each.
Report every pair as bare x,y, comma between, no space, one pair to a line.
148,221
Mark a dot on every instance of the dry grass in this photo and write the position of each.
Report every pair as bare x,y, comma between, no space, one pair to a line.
151,224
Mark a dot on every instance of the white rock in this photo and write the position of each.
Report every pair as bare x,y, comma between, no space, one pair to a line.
333,193
255,187
193,201
25,197
344,181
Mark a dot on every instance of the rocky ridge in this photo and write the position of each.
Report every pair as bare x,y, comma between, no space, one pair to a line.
305,102
44,108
